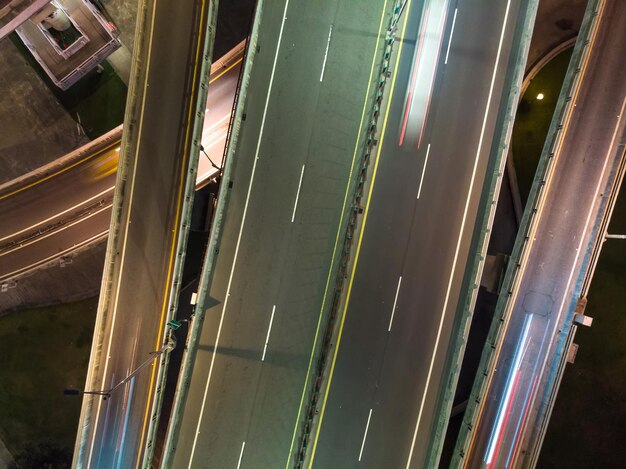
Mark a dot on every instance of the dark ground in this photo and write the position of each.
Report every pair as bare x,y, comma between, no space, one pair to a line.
590,410
45,350
533,120
586,429
587,425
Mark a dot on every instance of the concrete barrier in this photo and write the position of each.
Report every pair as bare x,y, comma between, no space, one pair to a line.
546,164
206,276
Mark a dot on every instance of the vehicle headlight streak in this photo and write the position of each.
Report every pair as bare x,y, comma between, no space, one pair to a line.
425,62
511,387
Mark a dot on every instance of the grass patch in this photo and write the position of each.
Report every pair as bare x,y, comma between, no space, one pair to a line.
43,351
98,100
533,120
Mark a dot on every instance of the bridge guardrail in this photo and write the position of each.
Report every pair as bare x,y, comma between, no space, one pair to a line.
482,234
584,281
196,115
111,264
206,275
529,219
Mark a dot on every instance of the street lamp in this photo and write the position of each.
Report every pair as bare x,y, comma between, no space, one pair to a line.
168,347
209,158
74,392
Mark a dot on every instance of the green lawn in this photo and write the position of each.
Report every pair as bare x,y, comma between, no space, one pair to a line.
99,99
43,351
533,119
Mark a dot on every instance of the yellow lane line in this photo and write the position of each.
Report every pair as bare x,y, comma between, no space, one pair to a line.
358,249
339,230
228,69
181,186
62,170
123,237
116,143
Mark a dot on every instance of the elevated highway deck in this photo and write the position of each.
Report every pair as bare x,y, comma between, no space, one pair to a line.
561,228
150,211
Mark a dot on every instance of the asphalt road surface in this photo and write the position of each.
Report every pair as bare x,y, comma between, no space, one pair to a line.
53,217
415,246
133,308
550,280
309,91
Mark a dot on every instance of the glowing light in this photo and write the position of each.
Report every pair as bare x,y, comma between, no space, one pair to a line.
540,96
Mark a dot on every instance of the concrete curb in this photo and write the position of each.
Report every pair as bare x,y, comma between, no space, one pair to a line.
482,232
487,360
64,162
535,68
206,275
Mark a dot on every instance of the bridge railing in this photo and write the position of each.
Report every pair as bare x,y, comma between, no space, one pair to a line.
578,303
208,268
482,233
537,194
111,265
196,113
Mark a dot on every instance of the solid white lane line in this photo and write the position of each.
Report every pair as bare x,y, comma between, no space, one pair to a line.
209,128
451,33
458,244
243,222
587,221
215,141
295,205
67,210
419,190
395,301
367,426
330,32
125,238
243,445
52,233
269,329
56,255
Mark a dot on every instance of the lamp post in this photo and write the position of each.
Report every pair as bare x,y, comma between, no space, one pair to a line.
209,158
168,347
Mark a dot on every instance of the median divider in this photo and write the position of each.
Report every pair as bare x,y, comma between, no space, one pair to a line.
318,381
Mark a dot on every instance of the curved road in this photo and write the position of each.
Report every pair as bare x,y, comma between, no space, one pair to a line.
57,214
